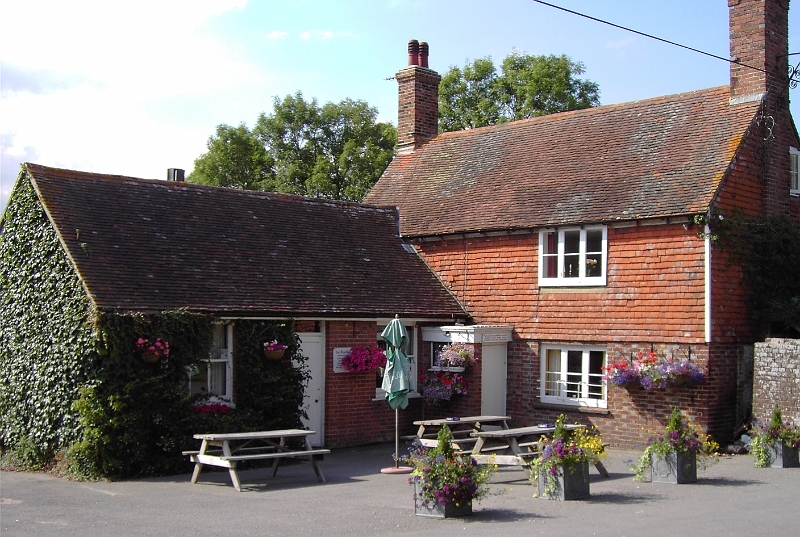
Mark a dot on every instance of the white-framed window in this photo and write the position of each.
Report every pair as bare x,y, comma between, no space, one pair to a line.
213,377
573,256
794,171
573,375
411,351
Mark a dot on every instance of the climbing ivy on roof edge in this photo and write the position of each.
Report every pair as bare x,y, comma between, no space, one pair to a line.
73,389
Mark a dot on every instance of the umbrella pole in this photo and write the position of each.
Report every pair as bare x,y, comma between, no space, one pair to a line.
396,438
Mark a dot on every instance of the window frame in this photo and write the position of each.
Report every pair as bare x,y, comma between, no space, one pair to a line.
559,255
563,377
225,349
794,171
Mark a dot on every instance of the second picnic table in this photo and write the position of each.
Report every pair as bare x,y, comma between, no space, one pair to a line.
461,429
516,446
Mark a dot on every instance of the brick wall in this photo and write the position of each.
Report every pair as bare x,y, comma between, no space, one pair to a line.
655,289
351,415
418,106
777,379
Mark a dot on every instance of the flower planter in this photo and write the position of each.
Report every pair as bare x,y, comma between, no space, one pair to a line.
453,369
572,483
274,355
783,456
676,467
437,510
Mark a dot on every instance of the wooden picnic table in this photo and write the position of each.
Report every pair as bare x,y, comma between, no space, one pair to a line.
514,447
226,449
461,429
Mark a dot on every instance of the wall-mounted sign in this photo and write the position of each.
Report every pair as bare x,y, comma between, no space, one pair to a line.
338,355
501,337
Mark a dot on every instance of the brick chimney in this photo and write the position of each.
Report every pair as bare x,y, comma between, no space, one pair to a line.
418,100
759,35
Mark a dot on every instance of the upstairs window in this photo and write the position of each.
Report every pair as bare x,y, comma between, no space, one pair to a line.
573,256
794,171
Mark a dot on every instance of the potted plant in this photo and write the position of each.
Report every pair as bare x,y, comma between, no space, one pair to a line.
561,472
672,457
776,445
364,359
274,350
455,357
446,484
441,386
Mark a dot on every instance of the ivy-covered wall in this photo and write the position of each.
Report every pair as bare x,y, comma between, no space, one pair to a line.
73,387
47,339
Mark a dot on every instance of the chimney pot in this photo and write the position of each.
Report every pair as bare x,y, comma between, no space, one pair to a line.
175,174
423,54
413,52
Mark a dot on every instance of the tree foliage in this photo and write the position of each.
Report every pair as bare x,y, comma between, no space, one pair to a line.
334,151
527,86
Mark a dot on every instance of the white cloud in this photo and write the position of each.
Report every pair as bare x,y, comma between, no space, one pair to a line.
277,34
622,43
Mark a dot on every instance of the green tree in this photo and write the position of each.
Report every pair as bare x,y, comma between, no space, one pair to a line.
527,86
235,159
336,151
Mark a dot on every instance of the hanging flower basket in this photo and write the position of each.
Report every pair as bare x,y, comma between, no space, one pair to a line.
364,359
151,353
274,350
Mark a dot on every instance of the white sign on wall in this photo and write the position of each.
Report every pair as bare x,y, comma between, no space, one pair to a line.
338,355
496,337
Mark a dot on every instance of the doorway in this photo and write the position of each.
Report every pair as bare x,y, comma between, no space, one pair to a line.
312,346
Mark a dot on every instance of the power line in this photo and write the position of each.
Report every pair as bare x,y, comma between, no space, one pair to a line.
650,36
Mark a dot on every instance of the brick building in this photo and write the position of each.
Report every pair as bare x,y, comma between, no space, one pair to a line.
578,230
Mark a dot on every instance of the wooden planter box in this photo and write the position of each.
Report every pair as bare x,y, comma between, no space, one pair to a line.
572,483
676,468
436,510
783,456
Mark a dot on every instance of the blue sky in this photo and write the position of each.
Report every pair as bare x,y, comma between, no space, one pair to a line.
136,87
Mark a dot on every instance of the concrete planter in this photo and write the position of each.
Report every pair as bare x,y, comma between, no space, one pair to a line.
437,510
783,456
572,483
675,467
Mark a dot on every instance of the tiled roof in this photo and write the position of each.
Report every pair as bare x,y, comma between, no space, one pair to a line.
157,245
654,158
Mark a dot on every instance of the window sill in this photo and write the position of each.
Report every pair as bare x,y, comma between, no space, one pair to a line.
572,408
587,289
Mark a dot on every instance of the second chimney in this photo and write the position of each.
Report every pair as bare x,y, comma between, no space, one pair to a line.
418,100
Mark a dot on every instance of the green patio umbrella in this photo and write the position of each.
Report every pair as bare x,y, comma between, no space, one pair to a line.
396,381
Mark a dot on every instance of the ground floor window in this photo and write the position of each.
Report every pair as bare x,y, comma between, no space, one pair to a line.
573,375
213,376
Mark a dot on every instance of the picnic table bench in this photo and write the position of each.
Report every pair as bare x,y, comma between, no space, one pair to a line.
517,446
226,449
460,428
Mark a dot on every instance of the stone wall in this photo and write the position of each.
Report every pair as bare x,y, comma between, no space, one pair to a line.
776,379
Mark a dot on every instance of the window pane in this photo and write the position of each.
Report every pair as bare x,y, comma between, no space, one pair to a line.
596,361
550,255
574,373
594,241
199,379
219,378
553,373
571,269
572,242
594,262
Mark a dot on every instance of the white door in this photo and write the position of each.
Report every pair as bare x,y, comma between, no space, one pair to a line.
493,380
312,346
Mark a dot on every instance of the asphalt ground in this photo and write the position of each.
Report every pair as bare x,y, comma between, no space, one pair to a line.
731,498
